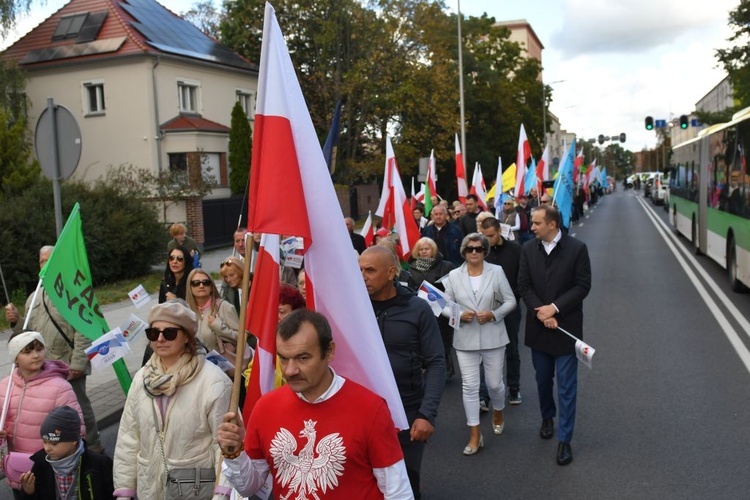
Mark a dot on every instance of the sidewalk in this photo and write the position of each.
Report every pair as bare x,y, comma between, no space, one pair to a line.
102,386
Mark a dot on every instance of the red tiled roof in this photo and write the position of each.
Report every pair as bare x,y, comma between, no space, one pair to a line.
119,25
116,25
182,123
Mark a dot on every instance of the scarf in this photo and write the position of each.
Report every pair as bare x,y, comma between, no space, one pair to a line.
423,264
66,470
160,381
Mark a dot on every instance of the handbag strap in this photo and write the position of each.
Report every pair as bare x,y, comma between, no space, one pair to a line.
160,435
49,314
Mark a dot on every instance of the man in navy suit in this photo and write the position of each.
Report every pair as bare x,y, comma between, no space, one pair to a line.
554,277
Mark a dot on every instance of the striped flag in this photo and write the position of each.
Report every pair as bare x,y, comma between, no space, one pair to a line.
522,160
394,207
367,232
463,189
288,164
542,170
478,187
262,322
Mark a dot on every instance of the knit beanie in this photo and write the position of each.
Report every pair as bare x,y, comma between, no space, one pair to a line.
176,312
61,425
17,343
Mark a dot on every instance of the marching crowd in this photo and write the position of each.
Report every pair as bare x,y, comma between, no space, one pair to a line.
319,435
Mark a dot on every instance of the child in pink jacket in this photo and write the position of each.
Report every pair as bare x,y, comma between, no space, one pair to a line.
37,387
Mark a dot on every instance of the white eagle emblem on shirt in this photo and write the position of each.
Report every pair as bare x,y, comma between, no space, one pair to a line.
309,471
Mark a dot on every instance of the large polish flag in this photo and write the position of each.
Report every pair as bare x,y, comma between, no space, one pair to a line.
262,322
394,207
463,188
522,160
478,187
288,164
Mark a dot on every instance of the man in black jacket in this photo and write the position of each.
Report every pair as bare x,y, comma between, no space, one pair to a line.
415,351
554,277
507,254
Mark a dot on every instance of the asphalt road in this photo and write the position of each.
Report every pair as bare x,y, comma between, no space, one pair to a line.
662,414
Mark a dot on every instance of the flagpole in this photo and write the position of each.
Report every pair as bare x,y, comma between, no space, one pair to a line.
7,297
461,88
31,306
234,402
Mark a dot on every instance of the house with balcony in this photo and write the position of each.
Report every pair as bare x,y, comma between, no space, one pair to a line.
149,90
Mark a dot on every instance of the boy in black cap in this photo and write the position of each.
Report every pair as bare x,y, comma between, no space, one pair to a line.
65,468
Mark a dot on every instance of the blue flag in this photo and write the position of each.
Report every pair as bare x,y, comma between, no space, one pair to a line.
530,181
332,141
564,187
605,183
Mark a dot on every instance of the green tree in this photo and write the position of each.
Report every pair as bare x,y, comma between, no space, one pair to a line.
736,59
17,171
240,150
205,17
9,11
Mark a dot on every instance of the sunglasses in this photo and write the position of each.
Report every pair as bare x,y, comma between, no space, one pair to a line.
178,258
197,283
544,202
169,333
474,249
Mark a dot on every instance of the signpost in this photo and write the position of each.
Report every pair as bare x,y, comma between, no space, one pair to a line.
57,141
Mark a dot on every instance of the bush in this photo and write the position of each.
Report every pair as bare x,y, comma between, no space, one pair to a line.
122,234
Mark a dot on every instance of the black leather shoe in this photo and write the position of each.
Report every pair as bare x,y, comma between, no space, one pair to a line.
564,454
548,428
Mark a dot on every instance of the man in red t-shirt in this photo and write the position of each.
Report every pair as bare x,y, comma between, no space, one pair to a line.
320,434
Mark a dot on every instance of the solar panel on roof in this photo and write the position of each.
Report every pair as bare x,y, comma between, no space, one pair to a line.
91,27
66,51
174,35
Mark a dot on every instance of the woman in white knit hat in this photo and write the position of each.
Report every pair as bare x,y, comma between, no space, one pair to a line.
38,386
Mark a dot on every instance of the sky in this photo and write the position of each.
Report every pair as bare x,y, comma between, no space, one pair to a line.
614,61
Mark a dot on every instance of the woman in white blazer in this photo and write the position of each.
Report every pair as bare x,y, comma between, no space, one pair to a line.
485,297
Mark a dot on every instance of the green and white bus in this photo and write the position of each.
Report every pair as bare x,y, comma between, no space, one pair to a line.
709,195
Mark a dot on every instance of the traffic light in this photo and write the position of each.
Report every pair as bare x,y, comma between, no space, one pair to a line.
684,122
601,138
622,137
649,123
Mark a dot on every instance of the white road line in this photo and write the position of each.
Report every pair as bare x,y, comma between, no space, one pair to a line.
678,251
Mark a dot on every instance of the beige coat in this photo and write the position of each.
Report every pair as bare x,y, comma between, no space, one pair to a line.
192,418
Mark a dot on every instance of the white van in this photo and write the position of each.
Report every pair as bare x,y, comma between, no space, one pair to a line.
659,185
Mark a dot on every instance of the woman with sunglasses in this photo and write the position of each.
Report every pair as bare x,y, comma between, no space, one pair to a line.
173,409
485,297
38,386
217,319
179,265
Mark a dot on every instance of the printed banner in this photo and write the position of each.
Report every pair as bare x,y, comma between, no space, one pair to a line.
107,349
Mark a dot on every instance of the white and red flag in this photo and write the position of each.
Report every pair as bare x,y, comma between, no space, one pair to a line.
431,175
288,164
463,188
542,170
413,200
478,187
264,304
394,207
367,231
577,163
522,161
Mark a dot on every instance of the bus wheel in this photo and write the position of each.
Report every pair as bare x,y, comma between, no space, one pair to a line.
734,283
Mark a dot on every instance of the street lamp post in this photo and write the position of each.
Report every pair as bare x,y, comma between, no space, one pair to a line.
461,86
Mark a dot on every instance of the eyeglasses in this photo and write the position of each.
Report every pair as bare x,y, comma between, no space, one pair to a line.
169,333
197,283
474,250
178,258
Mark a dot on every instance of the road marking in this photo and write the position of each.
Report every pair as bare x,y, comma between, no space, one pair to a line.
678,250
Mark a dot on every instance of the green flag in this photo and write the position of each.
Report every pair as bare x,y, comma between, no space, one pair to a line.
427,200
67,279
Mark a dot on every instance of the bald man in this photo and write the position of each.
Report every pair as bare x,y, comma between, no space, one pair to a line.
409,329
